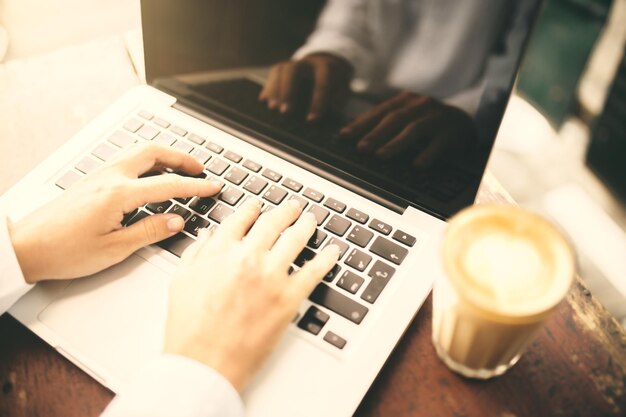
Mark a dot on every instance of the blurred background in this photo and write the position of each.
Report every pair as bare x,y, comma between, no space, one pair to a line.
561,150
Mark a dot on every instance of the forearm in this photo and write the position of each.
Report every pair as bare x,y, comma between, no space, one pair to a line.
12,283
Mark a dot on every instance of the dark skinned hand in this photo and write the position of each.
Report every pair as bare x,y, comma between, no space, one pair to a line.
318,82
415,124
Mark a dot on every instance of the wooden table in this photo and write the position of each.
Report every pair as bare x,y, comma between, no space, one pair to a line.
576,366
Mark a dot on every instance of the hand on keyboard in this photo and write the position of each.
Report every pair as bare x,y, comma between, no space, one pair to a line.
233,297
80,233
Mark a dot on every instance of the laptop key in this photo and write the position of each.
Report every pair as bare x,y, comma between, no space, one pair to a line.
381,273
68,179
145,115
255,185
360,236
272,175
183,146
133,125
335,340
198,140
357,216
275,194
320,213
338,303
358,260
159,207
214,147
163,123
236,175
305,256
381,270
350,282
127,216
293,185
87,165
313,194
121,139
389,250
338,225
195,223
373,290
178,130
104,151
183,200
201,155
137,217
405,238
164,139
218,166
343,247
202,204
181,211
382,227
176,244
317,239
235,157
231,195
303,203
313,320
335,205
148,132
252,166
220,212
332,274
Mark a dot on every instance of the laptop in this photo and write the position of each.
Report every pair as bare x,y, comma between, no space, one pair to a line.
206,63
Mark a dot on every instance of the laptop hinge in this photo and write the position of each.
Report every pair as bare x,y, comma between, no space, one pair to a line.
381,197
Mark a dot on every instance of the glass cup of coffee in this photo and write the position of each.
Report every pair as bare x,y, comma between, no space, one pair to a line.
505,270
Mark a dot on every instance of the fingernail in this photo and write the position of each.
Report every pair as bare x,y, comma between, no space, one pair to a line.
253,202
294,204
334,249
217,183
284,107
345,131
310,216
175,224
311,117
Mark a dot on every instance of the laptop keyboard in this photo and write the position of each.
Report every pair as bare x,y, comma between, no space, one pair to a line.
371,249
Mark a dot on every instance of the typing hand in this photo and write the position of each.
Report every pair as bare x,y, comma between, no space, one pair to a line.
410,123
232,297
321,79
80,232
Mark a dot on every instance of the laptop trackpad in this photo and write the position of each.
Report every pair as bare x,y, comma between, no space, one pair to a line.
112,322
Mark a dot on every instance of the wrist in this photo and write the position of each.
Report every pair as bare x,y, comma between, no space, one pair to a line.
25,252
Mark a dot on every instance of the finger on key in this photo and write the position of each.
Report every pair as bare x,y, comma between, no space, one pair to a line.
270,225
292,241
307,278
144,158
166,186
237,225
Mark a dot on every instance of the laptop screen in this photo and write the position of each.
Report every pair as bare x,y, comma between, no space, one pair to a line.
402,98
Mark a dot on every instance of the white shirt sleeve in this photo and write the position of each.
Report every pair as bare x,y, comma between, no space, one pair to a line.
342,29
173,385
12,283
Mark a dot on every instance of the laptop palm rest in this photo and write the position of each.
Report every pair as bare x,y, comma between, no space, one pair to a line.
117,316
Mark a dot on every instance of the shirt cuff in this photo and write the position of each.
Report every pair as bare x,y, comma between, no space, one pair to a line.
173,385
12,282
